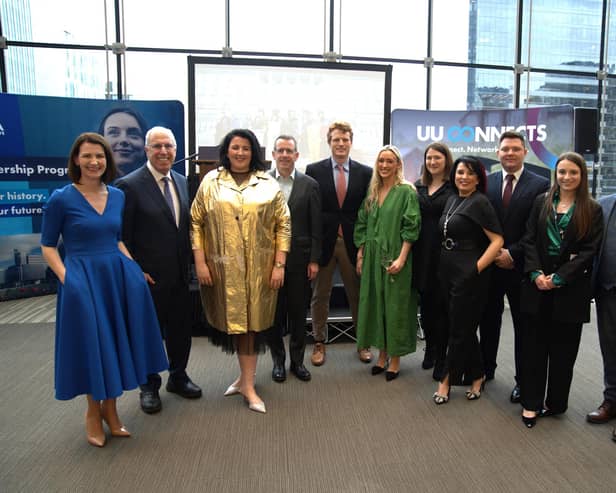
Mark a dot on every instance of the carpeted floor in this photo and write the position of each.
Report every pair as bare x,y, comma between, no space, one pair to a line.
345,431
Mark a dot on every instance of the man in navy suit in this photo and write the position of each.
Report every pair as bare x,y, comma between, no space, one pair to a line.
343,184
302,265
512,193
605,298
156,232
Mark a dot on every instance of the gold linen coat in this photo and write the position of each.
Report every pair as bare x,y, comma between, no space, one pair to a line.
240,228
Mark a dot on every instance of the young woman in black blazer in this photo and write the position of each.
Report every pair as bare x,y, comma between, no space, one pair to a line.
562,237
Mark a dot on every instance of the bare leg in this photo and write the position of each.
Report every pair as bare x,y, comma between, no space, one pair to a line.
109,413
247,358
394,364
94,423
382,361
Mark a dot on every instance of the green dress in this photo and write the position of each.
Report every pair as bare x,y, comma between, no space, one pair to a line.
387,317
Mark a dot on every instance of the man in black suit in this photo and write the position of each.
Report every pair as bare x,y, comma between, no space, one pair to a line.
343,184
302,265
605,302
156,232
512,193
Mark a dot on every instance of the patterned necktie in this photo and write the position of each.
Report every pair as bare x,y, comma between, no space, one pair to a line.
508,191
168,198
341,190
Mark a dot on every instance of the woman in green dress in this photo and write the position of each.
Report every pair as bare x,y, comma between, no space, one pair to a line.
387,225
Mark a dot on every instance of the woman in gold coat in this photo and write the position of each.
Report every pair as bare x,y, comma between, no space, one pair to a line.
241,233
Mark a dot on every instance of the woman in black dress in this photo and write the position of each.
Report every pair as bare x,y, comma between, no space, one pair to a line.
563,234
433,190
471,239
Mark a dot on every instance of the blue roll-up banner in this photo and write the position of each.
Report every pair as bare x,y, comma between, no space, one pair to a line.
548,130
36,134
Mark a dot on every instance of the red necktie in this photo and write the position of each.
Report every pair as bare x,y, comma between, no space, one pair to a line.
508,190
340,191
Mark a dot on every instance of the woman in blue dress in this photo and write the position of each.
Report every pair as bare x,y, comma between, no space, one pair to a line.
107,335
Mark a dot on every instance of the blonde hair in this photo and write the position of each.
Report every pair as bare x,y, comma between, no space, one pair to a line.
376,182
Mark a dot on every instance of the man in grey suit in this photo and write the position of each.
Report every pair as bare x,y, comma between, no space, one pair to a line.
155,230
605,299
302,265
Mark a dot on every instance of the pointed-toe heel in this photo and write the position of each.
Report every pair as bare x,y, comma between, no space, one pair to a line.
232,390
94,431
529,422
391,375
258,407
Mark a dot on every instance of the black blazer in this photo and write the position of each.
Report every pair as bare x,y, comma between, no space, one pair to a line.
333,214
574,265
513,220
306,228
161,248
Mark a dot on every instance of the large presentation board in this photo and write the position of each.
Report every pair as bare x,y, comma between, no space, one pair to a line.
299,98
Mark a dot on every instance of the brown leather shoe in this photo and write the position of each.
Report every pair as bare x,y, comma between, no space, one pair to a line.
605,412
318,354
365,356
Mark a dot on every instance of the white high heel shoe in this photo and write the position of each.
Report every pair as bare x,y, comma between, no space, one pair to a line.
258,407
232,390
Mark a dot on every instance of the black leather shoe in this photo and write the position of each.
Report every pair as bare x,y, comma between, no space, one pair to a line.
529,422
515,395
279,374
614,434
185,388
301,372
150,401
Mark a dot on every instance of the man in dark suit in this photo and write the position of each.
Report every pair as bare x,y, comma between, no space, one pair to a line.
512,193
343,184
302,265
156,232
605,298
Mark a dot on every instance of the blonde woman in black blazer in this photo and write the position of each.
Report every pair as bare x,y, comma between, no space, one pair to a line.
562,237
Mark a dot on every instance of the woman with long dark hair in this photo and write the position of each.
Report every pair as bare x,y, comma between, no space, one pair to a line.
563,234
241,233
433,190
470,241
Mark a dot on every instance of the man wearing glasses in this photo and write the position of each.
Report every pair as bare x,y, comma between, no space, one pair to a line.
304,200
156,232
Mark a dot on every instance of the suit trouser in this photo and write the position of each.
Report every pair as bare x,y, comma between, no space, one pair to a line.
291,307
172,304
504,283
606,321
322,291
549,351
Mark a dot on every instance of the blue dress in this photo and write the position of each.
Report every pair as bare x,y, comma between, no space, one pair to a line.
107,335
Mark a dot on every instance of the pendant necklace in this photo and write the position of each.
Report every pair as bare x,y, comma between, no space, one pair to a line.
449,214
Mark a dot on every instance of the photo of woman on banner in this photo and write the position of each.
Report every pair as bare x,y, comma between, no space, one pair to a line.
124,128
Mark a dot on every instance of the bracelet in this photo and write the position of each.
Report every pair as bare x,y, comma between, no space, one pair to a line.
280,265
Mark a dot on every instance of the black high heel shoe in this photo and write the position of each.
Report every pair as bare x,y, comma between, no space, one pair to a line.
528,421
391,375
377,370
473,395
440,398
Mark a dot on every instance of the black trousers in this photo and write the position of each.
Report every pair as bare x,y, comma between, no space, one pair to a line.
549,351
504,282
435,324
293,300
465,304
173,311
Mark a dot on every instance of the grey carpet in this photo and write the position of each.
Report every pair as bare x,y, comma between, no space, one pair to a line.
346,431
